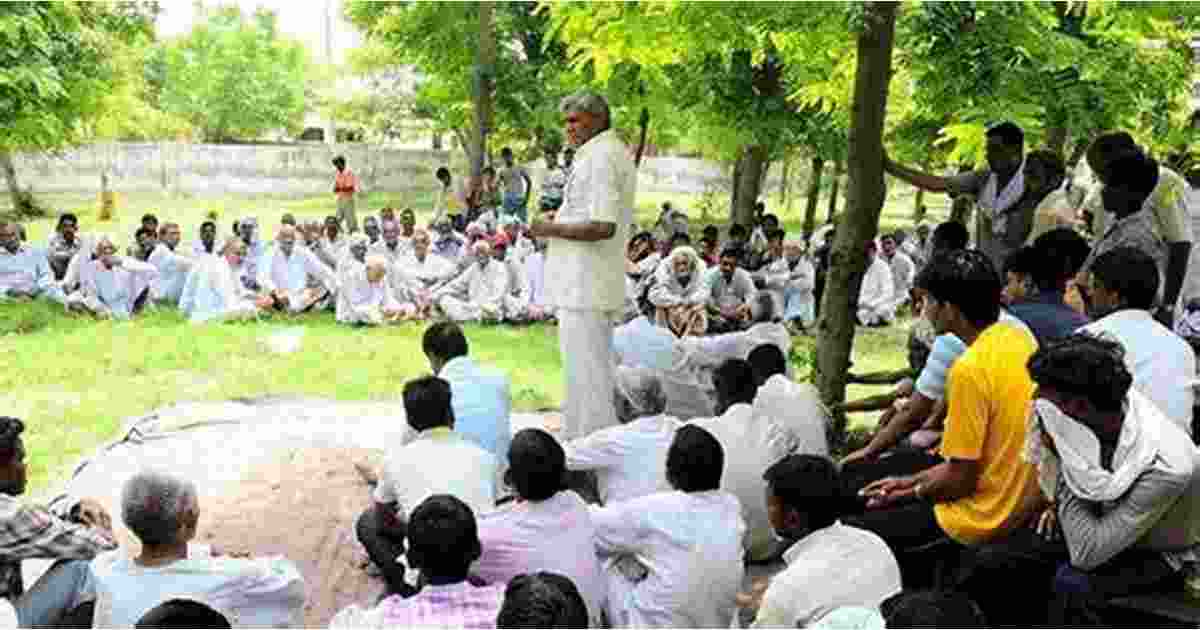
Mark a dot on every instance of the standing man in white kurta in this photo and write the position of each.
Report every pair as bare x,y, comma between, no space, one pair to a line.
585,264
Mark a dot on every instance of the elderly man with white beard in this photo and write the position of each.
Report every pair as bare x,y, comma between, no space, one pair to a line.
680,293
366,296
285,270
112,286
477,294
414,277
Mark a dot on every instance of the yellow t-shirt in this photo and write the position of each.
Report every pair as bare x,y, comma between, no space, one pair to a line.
988,391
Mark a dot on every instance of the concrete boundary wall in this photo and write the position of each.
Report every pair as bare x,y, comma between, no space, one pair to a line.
302,169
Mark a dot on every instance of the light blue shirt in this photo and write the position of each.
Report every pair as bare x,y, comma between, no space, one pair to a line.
482,401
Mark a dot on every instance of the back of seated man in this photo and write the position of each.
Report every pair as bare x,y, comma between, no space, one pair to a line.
163,511
443,541
1123,286
68,531
542,600
629,459
876,296
1123,492
547,529
829,565
795,407
481,397
437,461
1060,254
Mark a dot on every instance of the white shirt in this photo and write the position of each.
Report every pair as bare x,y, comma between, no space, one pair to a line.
359,299
752,443
27,270
630,460
1163,365
878,288
402,250
691,545
779,276
258,592
290,273
713,350
797,408
904,271
830,568
172,272
535,275
481,286
117,289
438,461
601,187
553,535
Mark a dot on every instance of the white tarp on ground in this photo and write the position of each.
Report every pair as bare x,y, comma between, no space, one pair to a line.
275,476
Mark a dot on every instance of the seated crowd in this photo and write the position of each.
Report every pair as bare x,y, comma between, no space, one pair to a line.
1038,449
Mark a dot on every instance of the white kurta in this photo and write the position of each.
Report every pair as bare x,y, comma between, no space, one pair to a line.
289,274
519,296
27,271
535,274
791,287
876,297
172,273
587,284
904,273
630,460
214,291
476,294
752,443
113,292
411,277
361,301
394,255
797,408
712,350
691,547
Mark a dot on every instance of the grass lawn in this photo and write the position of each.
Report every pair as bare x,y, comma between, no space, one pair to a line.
74,381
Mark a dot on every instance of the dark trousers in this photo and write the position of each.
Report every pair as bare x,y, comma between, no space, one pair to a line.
384,548
905,527
1024,567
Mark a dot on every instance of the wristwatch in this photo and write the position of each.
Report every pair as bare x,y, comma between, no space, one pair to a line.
917,492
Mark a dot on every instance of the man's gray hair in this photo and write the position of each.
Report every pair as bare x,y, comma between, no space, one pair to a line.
154,506
639,393
586,101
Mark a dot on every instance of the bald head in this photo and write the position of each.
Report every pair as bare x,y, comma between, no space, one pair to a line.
286,238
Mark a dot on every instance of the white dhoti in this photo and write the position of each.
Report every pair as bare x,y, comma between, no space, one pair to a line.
585,342
460,310
877,315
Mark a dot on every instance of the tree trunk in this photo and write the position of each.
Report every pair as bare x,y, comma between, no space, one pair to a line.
814,196
785,185
747,183
860,222
22,201
918,202
485,66
833,191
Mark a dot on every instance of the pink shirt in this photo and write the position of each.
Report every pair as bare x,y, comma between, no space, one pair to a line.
457,605
345,179
554,535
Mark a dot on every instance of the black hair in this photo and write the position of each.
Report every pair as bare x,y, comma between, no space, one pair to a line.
506,150
736,229
776,235
767,360
771,217
212,223
708,240
808,484
1129,272
142,231
443,537
680,238
949,236
1061,252
445,341
1110,145
1134,172
1007,132
642,236
711,231
1086,366
735,382
542,600
182,613
695,460
442,170
149,217
1052,163
10,434
1023,261
931,609
339,159
732,251
966,279
537,465
67,216
427,403
487,170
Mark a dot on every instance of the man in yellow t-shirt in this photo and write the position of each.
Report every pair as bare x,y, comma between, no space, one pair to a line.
980,487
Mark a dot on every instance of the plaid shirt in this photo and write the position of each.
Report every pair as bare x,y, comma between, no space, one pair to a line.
1136,231
449,606
28,531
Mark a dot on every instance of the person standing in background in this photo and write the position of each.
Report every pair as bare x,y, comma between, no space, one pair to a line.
345,185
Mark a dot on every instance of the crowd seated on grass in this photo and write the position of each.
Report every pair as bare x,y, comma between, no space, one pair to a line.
1037,447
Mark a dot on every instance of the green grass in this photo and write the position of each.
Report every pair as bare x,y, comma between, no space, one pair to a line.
74,380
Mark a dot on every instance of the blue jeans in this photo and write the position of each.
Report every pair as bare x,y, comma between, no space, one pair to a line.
515,205
62,588
798,305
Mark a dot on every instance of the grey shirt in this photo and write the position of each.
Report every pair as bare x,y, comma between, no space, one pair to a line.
1018,218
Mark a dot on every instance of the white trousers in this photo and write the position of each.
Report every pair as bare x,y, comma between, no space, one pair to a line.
585,342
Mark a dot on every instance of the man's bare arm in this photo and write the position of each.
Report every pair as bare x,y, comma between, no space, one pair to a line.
924,181
589,231
1177,262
